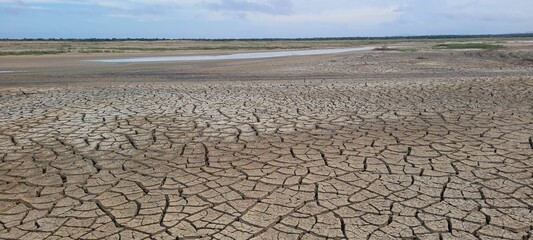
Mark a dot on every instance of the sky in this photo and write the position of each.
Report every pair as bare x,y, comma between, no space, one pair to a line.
260,18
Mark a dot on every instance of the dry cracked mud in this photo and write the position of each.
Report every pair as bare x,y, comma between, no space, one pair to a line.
413,158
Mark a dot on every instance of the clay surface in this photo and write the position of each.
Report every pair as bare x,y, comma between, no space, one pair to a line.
432,144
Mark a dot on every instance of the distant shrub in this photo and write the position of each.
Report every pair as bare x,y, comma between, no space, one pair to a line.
31,52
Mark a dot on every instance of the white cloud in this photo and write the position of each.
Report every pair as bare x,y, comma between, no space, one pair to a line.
333,11
356,16
302,11
491,10
271,7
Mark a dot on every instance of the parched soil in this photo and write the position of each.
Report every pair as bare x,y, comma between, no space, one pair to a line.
432,144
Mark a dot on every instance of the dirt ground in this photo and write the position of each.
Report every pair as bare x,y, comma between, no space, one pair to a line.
417,144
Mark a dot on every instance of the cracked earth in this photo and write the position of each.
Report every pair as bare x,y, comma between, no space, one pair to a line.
439,158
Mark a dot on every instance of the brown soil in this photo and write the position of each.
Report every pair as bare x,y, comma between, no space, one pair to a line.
431,144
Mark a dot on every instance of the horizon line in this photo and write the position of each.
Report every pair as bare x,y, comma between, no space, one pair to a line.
438,36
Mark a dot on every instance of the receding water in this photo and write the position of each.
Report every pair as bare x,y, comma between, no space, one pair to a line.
234,56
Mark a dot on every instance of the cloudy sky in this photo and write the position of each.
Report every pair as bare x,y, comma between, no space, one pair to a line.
260,18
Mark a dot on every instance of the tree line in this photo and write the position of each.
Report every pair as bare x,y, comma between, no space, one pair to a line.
422,37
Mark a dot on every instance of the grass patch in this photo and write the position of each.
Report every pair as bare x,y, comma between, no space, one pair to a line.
408,49
31,52
469,46
384,48
99,51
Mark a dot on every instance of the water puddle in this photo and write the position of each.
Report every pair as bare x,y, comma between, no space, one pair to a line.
236,56
7,72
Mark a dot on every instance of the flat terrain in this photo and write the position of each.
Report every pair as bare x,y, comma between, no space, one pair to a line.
420,143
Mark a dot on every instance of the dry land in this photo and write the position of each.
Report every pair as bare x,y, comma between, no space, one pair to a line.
432,141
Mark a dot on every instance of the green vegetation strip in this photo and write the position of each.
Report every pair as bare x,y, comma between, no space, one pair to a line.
469,46
30,52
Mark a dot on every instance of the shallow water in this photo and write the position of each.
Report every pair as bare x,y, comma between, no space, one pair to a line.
234,56
7,71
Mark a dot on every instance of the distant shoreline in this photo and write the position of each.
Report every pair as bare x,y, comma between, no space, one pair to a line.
420,37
